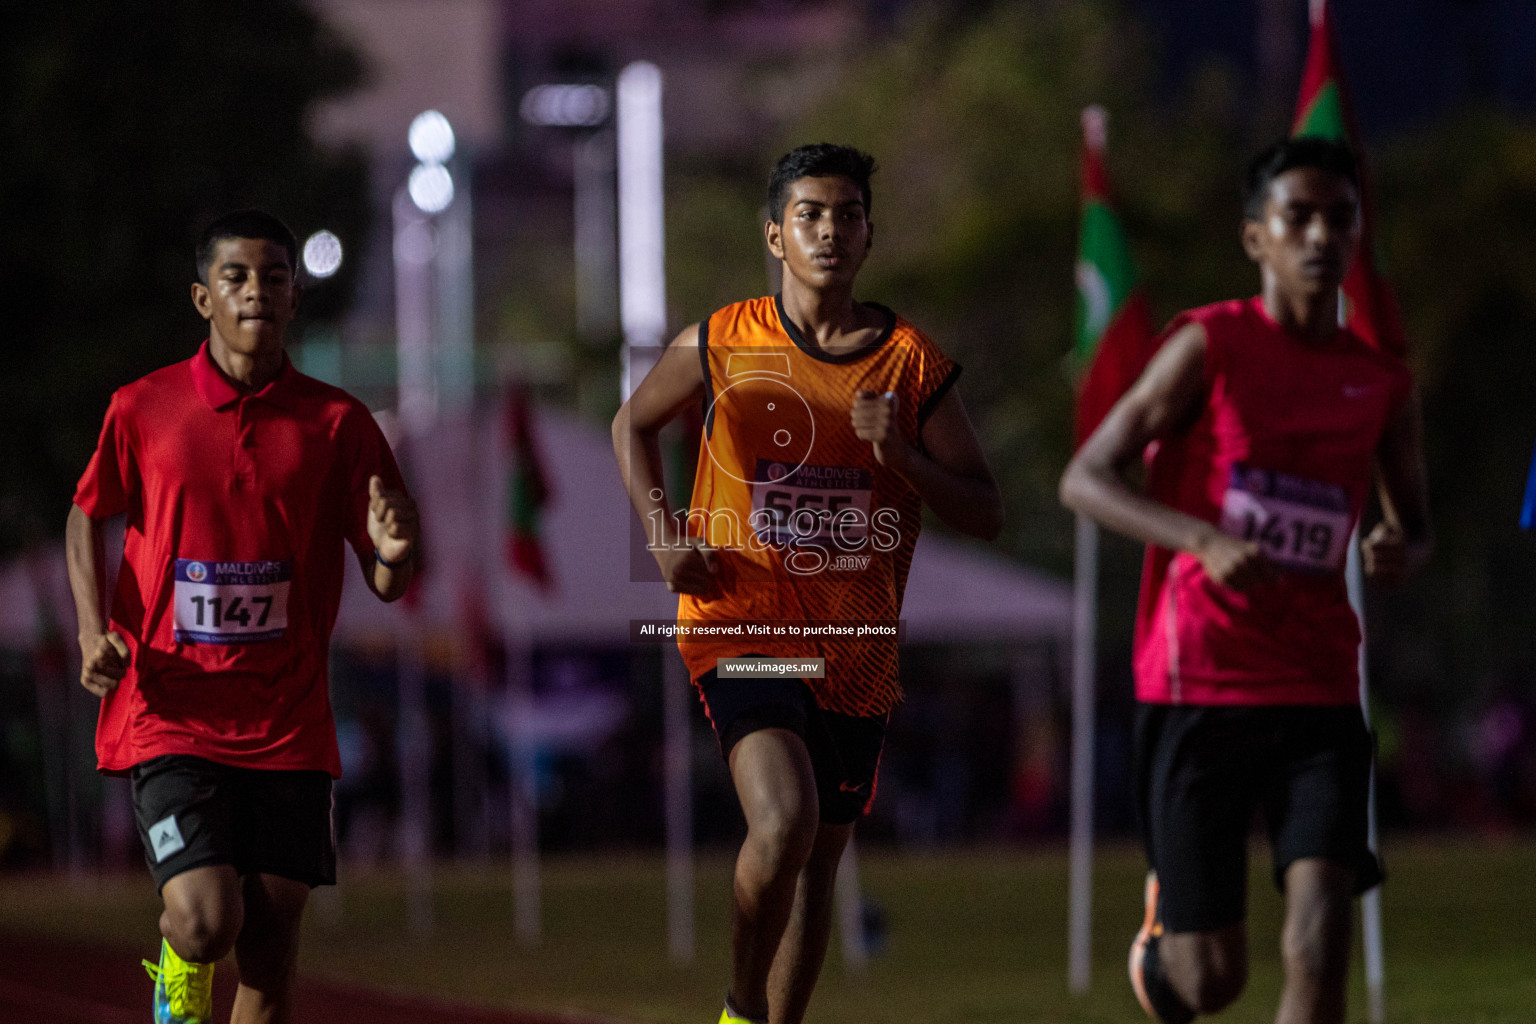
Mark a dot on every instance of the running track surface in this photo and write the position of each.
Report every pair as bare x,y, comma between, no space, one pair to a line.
54,981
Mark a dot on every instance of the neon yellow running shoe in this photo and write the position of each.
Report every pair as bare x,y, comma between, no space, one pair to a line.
183,991
730,1015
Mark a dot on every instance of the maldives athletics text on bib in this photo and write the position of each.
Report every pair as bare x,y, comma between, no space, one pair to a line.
1300,523
231,602
825,505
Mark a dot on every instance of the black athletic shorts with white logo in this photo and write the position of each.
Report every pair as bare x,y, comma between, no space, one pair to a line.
1201,773
192,812
845,749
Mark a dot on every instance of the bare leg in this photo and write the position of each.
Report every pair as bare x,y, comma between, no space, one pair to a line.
772,772
1207,969
1314,944
804,946
203,913
268,949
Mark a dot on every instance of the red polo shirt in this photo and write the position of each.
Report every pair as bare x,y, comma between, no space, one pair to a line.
237,506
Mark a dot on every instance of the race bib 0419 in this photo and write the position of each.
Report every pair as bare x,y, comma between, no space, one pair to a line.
1301,523
811,504
231,602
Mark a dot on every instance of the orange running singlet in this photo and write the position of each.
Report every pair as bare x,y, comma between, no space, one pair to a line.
810,529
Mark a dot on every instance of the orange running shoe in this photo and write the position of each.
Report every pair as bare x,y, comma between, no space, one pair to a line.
1148,981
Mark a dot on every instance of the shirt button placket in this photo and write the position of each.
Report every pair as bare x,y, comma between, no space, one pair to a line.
244,441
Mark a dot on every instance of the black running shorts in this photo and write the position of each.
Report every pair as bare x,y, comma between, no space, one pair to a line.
192,813
845,749
1201,773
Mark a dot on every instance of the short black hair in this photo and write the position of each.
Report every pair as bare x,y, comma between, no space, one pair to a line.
818,160
1288,154
245,224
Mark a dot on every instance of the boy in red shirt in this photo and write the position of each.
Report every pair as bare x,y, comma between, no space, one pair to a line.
1263,422
240,478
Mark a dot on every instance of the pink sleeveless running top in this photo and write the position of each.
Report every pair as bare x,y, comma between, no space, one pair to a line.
1281,453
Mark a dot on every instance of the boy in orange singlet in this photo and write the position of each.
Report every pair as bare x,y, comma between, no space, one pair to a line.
828,423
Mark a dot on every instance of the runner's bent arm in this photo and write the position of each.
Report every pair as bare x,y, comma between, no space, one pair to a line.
949,472
394,526
676,380
1164,400
104,655
1402,542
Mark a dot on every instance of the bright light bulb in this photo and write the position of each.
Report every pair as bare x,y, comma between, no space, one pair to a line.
431,138
431,187
322,254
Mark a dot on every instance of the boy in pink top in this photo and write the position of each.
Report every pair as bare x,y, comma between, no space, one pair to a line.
1262,423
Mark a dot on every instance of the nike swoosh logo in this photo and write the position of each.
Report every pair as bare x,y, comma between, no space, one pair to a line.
844,787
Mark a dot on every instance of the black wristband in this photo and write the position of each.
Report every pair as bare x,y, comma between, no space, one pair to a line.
393,565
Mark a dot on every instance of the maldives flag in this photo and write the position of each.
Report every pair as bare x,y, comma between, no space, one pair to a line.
1323,109
527,492
1114,323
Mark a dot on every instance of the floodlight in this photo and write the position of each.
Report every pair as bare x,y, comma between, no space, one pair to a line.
322,254
431,138
431,187
565,106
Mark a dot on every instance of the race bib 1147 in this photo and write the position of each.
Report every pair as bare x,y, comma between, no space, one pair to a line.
231,602
1301,523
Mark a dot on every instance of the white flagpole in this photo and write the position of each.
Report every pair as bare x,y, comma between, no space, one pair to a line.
1085,593
413,744
523,793
850,912
677,729
642,211
1084,671
522,765
1370,902
415,244
643,315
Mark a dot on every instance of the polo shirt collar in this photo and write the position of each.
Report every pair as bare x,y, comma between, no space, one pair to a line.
216,390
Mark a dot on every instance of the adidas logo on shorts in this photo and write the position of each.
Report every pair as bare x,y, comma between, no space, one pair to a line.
165,838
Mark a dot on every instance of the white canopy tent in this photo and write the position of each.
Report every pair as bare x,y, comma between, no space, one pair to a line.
592,541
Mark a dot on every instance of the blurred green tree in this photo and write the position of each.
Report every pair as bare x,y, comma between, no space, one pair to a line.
129,126
1458,231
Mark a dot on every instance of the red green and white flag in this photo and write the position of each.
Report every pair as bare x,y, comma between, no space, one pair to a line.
1114,322
528,492
1323,109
